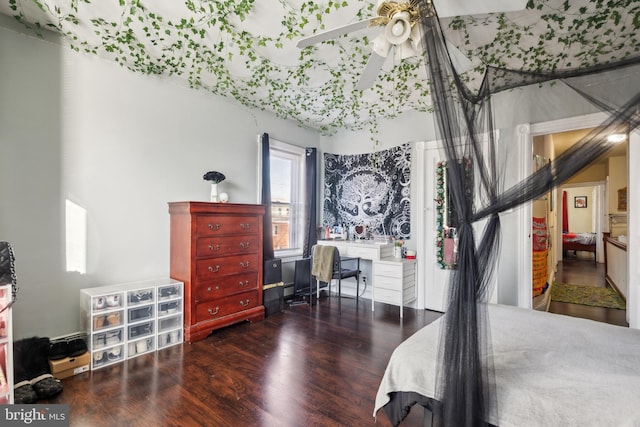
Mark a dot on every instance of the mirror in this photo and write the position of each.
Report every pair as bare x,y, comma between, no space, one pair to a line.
446,236
359,232
447,220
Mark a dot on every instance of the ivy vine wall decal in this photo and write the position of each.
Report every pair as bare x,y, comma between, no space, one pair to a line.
245,49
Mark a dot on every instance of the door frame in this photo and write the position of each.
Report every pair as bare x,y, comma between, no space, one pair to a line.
525,134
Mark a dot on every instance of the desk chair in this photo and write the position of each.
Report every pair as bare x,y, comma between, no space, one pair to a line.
302,282
328,265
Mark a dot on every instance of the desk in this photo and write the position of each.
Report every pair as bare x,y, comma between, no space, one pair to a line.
364,249
393,280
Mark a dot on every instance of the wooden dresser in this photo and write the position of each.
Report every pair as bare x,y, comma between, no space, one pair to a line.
216,251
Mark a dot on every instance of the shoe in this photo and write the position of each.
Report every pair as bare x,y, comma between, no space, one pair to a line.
99,303
146,296
58,350
99,340
168,292
113,337
99,357
76,347
100,322
114,319
46,386
23,393
114,353
113,300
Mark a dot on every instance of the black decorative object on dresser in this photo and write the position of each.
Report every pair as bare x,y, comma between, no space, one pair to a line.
216,250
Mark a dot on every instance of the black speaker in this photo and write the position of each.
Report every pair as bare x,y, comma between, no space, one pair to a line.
272,271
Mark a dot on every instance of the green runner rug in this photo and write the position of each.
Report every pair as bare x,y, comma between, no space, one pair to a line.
587,295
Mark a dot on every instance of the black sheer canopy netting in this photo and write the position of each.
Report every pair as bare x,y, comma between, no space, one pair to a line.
465,127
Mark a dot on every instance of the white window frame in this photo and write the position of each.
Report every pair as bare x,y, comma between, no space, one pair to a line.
297,206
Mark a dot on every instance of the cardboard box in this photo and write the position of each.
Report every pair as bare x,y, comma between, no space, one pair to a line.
70,366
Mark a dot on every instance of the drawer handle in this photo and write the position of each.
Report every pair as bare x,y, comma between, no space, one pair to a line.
214,227
244,245
243,265
211,269
209,288
245,302
213,313
216,247
245,226
245,283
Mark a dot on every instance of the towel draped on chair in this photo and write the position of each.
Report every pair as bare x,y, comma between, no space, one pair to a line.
322,266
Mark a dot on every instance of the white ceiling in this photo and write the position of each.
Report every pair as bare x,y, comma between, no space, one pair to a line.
245,49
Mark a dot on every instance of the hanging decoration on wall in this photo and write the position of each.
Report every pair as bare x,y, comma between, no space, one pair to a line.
370,190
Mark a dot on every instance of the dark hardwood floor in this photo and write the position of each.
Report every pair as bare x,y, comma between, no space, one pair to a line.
295,368
581,270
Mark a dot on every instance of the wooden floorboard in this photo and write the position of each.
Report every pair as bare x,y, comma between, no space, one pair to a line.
301,367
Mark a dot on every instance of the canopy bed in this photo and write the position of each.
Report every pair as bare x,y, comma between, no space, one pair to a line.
549,370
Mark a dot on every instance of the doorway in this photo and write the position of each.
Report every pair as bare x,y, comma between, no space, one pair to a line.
526,137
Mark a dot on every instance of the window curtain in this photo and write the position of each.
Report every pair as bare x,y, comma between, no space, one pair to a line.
310,220
267,237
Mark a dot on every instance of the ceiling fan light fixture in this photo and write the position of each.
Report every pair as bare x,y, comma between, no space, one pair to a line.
398,29
616,138
381,45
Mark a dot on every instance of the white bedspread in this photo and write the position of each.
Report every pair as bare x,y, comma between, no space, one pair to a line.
550,370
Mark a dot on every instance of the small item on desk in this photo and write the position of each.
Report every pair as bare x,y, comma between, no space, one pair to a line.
327,233
397,248
411,254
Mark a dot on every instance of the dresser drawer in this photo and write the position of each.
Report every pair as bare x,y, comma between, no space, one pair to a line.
227,245
226,285
213,268
226,306
212,225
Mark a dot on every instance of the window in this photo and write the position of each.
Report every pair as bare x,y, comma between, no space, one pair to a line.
287,196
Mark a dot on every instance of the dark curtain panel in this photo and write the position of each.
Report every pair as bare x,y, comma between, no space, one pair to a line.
565,213
310,220
267,239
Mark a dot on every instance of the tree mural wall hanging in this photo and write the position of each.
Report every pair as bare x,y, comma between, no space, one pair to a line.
369,189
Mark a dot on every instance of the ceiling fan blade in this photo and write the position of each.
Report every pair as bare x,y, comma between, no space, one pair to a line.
445,8
370,72
333,33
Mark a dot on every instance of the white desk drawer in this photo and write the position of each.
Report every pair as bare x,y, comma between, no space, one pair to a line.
389,270
388,296
387,282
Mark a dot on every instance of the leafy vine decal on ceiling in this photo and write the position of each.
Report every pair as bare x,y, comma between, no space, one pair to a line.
245,49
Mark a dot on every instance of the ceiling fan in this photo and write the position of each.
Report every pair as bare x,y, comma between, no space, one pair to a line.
400,32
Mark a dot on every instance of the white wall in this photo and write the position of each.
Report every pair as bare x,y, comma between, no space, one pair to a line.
118,144
525,105
580,219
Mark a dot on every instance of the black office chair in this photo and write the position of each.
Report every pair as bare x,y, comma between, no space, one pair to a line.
328,265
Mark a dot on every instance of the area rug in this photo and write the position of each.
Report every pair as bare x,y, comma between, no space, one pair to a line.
587,295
